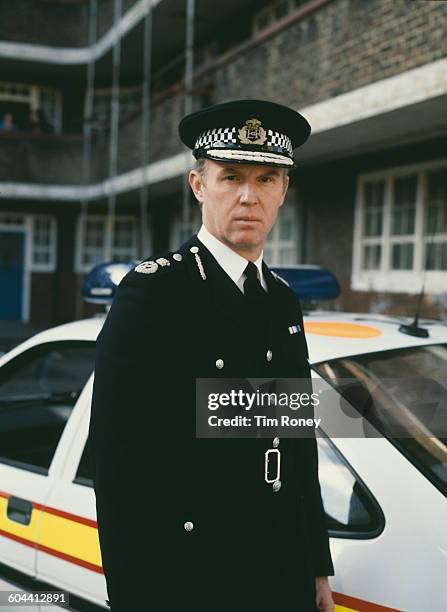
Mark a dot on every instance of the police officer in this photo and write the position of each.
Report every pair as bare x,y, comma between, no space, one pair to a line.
194,521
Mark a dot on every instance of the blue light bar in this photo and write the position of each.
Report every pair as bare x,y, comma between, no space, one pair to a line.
100,284
310,282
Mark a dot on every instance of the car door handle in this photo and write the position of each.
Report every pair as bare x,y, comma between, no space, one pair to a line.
19,510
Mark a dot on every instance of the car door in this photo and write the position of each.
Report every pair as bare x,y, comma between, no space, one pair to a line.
73,561
386,515
39,388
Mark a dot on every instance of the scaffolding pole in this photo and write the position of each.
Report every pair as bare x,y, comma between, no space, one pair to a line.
189,69
114,127
88,109
145,134
87,127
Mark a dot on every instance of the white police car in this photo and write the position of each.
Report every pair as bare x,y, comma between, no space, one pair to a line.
385,499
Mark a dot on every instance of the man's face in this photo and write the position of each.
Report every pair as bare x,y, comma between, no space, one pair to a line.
240,202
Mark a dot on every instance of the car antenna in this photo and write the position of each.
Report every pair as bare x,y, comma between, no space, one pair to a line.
413,329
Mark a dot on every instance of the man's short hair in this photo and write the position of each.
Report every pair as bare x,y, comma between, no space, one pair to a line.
200,166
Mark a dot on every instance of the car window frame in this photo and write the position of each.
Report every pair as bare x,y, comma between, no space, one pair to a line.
367,497
15,363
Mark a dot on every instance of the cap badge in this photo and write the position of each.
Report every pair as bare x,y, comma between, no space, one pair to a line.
252,133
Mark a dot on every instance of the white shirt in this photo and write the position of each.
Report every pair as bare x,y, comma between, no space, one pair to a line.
231,262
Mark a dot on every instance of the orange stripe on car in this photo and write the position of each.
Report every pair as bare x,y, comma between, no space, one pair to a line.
341,330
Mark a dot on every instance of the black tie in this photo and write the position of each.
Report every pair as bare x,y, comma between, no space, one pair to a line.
253,291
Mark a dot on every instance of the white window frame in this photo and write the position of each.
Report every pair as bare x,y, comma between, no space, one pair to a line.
50,266
274,243
387,279
108,251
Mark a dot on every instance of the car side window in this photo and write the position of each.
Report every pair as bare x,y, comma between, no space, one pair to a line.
38,390
84,474
351,509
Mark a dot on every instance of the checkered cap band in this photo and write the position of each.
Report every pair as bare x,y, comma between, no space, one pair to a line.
276,139
215,137
218,136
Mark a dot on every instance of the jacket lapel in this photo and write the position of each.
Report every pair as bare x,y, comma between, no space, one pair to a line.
218,288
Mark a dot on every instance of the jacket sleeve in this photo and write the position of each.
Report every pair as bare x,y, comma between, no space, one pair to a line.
314,509
126,386
316,517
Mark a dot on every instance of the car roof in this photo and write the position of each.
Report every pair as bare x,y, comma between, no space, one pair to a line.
84,329
333,335
329,334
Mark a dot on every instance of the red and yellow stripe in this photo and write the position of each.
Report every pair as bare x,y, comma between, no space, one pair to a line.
62,534
74,538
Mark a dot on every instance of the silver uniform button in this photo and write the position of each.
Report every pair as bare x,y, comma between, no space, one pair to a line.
194,249
188,526
177,257
269,355
276,486
275,442
219,363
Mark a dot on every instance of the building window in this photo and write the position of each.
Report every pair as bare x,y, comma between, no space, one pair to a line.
94,244
372,224
281,246
403,212
180,232
43,252
20,98
435,234
401,229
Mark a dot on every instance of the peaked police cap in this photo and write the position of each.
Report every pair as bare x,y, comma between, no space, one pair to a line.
245,131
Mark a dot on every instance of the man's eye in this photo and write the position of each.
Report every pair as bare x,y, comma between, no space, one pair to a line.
231,177
267,179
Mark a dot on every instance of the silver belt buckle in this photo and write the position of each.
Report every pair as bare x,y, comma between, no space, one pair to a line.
266,465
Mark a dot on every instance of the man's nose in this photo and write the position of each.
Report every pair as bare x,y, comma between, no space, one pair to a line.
249,193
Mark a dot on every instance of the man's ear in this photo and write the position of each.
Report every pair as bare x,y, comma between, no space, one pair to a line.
195,181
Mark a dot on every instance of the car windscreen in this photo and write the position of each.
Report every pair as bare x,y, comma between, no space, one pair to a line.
412,383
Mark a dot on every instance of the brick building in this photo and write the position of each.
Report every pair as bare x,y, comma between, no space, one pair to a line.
368,199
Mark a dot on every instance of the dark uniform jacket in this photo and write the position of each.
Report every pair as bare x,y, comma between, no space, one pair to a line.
249,547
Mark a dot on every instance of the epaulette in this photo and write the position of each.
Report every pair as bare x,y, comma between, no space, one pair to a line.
151,266
280,278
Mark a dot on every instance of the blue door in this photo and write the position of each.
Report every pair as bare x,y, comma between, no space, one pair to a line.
11,275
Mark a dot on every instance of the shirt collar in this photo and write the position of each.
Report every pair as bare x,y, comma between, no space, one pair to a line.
232,263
